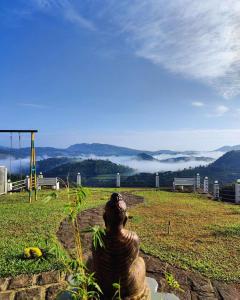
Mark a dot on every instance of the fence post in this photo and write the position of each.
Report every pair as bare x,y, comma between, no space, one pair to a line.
27,182
157,180
216,190
205,185
198,181
79,179
40,176
118,181
237,191
57,185
3,180
9,185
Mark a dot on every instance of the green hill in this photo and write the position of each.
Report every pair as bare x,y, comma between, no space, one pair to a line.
88,168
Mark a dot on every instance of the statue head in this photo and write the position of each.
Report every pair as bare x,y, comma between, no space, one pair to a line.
115,215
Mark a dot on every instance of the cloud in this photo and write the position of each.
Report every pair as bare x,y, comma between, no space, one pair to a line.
221,110
33,105
198,104
197,39
66,9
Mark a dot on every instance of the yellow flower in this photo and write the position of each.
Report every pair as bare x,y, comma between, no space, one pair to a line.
32,252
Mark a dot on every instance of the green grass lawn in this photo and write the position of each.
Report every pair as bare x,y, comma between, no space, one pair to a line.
25,225
204,236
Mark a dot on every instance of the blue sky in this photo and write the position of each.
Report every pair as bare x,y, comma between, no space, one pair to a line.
147,74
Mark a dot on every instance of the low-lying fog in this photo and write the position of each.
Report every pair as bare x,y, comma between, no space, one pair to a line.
133,162
157,166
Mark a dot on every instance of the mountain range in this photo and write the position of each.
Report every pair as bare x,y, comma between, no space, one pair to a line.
226,170
85,149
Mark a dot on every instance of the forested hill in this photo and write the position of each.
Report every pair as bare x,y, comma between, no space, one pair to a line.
87,168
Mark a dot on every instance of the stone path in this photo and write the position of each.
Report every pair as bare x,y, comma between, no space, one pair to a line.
195,286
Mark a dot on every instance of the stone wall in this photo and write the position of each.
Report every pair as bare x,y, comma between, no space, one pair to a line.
43,286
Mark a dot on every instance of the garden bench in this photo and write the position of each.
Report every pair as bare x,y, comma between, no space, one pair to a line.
53,182
184,182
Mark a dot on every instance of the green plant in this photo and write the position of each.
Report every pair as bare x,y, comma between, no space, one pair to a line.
83,284
97,236
117,294
172,282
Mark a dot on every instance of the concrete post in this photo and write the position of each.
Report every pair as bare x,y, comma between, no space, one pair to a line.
3,180
40,176
157,180
79,179
198,181
57,186
205,185
9,185
27,182
118,180
237,191
216,190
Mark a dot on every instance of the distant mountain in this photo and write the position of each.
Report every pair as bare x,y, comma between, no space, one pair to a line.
226,170
48,164
25,152
144,156
186,159
100,150
85,149
228,148
87,168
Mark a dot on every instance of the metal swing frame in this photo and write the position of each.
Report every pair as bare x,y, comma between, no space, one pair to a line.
33,171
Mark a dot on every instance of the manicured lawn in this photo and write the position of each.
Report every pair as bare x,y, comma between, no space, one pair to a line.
204,236
24,225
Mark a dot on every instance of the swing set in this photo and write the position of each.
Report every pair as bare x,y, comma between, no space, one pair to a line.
33,172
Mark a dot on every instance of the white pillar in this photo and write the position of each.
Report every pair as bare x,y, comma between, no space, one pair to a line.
198,181
57,186
27,182
205,185
157,180
3,180
9,185
118,180
40,176
79,179
174,187
216,190
237,191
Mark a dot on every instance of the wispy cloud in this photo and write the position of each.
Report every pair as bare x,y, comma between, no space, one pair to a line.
198,39
66,9
219,111
197,104
33,105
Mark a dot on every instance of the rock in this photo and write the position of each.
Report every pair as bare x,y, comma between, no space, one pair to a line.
3,284
48,277
53,291
226,291
35,293
21,281
9,295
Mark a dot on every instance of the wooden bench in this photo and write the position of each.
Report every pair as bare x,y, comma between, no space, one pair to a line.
184,182
53,182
